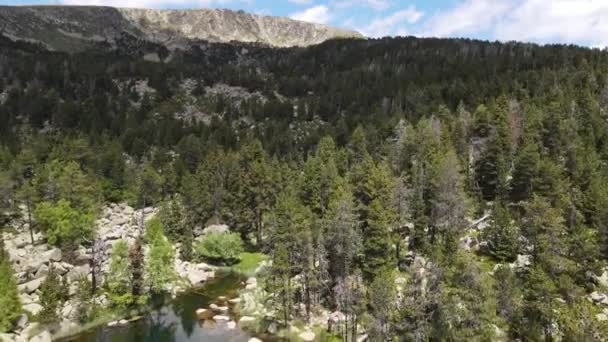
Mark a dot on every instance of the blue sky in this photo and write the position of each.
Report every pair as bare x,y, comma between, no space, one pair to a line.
583,22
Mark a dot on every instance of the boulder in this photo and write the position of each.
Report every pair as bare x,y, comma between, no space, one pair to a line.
272,328
336,317
234,300
7,337
67,310
307,336
53,255
32,308
602,317
599,298
231,325
42,271
78,272
245,320
221,318
523,261
197,276
216,229
44,336
22,321
31,286
603,279
254,339
203,313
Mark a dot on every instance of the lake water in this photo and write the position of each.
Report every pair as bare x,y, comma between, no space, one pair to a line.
175,320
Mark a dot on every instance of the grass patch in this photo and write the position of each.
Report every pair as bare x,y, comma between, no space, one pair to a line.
249,263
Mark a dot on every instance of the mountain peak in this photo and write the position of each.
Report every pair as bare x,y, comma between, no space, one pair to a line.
74,28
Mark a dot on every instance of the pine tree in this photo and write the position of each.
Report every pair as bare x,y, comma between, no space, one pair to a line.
525,171
280,283
501,234
342,234
118,280
449,205
382,298
418,238
136,267
10,304
52,294
377,246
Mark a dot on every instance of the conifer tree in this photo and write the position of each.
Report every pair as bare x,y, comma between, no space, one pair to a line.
52,295
10,304
501,234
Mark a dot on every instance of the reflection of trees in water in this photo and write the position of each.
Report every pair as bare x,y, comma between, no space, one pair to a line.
161,327
187,316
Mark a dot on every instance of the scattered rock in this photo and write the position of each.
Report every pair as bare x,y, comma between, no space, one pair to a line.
44,336
7,337
234,300
32,308
216,229
254,339
597,297
31,286
53,255
603,279
22,321
602,317
307,336
523,261
231,325
246,320
272,328
221,318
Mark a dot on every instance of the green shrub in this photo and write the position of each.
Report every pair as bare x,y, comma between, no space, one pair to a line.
223,248
62,223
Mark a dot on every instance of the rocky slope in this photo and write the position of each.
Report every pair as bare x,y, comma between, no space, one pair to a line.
75,28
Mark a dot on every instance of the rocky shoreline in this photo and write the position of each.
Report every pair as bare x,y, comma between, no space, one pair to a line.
32,262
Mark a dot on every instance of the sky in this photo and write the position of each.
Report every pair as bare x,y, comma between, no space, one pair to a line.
582,22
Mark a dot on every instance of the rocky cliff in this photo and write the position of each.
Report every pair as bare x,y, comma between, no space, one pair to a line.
75,28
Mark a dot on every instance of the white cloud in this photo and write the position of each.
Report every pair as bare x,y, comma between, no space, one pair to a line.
318,14
392,24
542,21
583,21
300,2
471,16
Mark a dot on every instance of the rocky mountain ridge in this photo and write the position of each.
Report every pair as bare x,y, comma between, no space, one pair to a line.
76,28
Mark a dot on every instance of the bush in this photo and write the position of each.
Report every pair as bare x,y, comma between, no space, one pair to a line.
224,248
62,223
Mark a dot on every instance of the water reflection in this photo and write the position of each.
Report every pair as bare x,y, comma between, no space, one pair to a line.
177,320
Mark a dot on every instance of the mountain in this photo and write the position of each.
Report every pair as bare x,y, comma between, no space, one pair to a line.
77,28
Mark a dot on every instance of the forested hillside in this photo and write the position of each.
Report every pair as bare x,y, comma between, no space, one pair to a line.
423,189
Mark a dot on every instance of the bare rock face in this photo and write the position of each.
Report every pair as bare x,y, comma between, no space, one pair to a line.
75,28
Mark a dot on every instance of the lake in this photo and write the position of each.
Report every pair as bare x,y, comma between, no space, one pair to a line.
175,320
